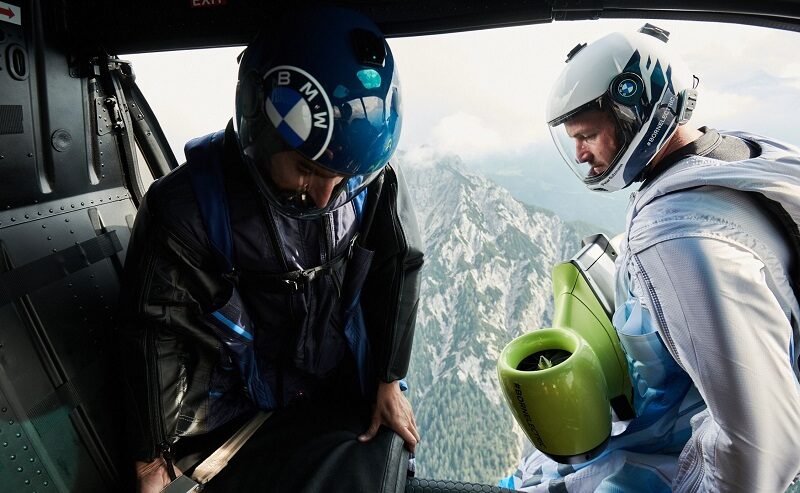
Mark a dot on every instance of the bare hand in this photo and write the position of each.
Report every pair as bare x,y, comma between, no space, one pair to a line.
152,477
394,411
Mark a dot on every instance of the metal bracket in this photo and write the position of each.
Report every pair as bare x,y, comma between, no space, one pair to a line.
103,119
182,484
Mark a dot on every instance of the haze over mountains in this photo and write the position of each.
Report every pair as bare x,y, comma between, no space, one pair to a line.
486,280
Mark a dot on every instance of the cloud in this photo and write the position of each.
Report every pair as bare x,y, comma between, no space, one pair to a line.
492,86
714,106
484,92
471,136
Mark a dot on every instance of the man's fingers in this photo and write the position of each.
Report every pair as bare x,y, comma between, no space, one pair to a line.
371,431
408,437
415,432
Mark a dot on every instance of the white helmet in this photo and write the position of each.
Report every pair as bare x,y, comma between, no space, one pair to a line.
637,80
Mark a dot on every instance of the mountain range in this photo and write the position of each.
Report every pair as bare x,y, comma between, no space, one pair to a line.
486,280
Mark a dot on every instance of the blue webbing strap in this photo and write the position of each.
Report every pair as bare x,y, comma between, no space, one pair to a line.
204,159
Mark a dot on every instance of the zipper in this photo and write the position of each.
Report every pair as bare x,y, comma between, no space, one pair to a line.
156,411
151,370
659,312
396,291
698,463
272,231
328,241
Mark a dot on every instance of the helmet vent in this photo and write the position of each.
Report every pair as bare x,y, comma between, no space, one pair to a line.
655,32
369,47
574,51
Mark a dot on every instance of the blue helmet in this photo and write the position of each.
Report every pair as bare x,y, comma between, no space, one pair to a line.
322,83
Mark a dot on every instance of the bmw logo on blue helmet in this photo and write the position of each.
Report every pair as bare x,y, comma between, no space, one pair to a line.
626,88
299,109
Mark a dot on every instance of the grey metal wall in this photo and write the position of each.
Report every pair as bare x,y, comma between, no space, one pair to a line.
61,183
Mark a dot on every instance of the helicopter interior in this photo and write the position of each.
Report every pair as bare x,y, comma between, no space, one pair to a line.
78,146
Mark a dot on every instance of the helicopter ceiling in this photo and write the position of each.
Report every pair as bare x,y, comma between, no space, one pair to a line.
157,25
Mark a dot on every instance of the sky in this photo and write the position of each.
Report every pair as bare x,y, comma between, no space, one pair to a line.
482,94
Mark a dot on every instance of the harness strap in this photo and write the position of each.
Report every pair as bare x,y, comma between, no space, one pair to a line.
291,282
32,276
208,182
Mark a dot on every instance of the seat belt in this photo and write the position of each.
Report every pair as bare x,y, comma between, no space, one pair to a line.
214,463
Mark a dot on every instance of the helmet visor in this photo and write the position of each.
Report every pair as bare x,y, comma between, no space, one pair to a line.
590,140
301,188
